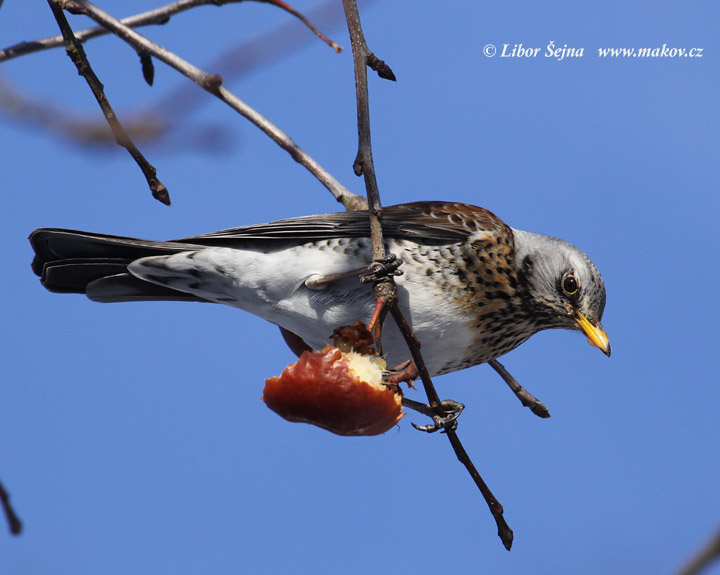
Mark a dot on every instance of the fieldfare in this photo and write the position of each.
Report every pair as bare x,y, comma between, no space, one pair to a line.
473,288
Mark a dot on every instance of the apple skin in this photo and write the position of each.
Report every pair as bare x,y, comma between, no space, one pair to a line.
341,392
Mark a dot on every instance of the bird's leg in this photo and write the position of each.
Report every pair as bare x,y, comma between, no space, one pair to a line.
381,273
318,281
376,323
443,423
525,397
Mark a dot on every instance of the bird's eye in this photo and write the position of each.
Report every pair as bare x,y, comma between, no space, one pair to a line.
570,284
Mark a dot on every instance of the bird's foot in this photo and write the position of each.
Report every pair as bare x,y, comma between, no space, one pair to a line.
405,372
451,410
379,269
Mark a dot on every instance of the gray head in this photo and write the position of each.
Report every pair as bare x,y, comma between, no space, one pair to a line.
565,288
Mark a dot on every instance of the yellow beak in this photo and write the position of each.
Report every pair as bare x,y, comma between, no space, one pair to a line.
595,333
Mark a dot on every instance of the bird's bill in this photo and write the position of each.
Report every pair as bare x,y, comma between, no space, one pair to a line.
595,333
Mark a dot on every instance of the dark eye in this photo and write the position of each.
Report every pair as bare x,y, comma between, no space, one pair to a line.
570,284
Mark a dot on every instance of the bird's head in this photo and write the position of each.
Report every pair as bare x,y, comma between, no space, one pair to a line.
564,286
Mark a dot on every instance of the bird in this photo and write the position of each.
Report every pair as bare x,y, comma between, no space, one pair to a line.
472,288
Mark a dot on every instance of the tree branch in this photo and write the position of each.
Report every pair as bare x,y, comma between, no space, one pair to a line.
710,553
77,55
13,520
363,165
504,531
213,84
154,124
385,288
158,16
526,398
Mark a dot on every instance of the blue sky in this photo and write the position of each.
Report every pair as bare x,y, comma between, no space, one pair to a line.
132,436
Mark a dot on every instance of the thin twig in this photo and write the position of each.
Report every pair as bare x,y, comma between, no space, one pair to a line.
77,55
385,289
213,84
504,531
13,520
710,553
363,165
158,16
526,398
496,509
304,20
414,345
153,124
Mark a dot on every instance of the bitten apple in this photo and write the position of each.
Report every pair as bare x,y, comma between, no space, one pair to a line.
341,391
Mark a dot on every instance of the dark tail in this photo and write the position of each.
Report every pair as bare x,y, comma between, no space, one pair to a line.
69,261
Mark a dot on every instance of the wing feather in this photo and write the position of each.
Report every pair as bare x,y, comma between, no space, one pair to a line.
435,221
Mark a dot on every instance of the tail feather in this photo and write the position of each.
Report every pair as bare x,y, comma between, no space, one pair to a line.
69,261
73,275
126,287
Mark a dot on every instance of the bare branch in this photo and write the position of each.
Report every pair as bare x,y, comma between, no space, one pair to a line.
385,288
414,346
526,398
709,554
304,20
158,16
13,520
363,164
213,84
154,124
504,531
77,55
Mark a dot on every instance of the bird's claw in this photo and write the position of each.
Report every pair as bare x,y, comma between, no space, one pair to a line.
442,423
379,269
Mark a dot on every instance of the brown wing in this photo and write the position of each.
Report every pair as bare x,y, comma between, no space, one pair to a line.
435,221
